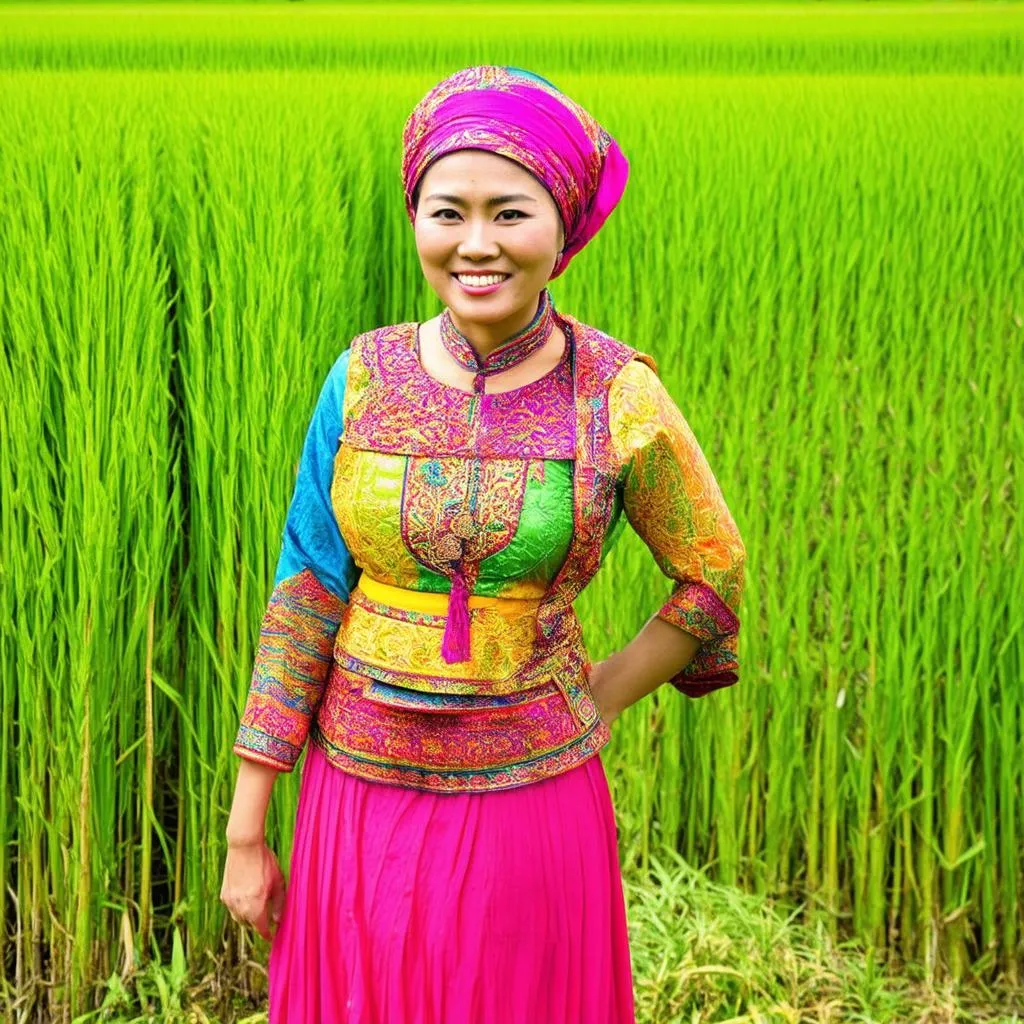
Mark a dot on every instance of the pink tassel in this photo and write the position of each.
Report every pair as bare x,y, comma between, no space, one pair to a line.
455,645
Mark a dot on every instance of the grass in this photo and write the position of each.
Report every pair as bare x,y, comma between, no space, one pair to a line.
702,953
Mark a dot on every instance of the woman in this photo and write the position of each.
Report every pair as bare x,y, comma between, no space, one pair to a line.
455,857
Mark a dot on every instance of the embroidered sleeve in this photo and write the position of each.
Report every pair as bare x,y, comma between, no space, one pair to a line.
672,500
314,576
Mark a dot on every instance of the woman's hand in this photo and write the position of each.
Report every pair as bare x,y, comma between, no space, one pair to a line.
253,889
607,707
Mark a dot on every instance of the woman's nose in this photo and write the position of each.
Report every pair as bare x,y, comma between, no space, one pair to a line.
476,240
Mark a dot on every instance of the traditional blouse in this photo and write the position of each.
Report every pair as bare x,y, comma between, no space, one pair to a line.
402,477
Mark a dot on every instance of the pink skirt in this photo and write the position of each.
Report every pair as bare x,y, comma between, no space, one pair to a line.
413,907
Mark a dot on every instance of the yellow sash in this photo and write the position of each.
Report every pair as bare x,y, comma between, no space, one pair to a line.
433,604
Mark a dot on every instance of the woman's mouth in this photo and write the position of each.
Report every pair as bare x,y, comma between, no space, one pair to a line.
480,284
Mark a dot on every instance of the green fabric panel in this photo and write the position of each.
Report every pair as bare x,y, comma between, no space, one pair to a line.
615,525
542,541
540,544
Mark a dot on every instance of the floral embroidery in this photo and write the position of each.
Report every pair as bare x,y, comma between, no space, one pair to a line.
433,473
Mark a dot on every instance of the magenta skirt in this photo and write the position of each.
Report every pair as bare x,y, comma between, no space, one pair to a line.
413,907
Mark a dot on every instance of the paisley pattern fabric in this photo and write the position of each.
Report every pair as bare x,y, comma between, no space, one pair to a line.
292,662
675,504
458,751
388,465
493,488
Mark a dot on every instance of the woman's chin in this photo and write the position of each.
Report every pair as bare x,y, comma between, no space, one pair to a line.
483,309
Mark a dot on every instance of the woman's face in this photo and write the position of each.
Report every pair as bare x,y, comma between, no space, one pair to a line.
460,226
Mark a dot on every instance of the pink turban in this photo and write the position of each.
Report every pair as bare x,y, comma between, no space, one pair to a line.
522,116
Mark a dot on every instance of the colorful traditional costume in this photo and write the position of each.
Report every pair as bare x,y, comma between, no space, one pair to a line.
455,858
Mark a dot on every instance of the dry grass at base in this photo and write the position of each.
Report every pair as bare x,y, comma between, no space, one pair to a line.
704,952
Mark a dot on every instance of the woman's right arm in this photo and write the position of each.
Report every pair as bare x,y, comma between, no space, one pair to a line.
248,817
314,576
253,886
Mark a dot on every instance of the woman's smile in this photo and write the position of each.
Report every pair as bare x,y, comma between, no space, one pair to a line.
488,283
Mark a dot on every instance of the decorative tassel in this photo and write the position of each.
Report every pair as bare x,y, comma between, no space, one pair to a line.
455,645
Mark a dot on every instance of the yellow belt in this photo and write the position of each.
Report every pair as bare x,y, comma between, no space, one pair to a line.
434,604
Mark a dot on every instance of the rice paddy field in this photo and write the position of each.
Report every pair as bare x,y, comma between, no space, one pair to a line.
822,244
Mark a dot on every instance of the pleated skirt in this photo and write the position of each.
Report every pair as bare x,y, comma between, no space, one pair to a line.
411,907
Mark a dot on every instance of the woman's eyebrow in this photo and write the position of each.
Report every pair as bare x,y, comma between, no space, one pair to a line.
494,201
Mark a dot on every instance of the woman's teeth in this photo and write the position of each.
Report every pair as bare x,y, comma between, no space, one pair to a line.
476,280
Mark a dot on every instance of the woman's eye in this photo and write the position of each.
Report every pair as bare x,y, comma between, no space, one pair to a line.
518,213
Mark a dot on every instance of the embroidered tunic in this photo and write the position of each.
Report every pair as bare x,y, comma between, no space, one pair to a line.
401,478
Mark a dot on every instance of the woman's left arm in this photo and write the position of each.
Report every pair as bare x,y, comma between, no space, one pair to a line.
672,500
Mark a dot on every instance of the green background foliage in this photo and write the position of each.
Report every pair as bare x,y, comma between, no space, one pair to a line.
821,244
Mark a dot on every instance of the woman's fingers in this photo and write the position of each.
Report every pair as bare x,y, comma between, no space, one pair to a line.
245,909
261,923
277,901
277,889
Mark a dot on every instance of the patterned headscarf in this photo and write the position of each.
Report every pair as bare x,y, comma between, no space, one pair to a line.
522,116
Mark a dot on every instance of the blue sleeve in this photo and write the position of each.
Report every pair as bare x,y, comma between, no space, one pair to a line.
311,538
315,574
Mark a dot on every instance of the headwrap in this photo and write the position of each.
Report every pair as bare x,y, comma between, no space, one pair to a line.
522,116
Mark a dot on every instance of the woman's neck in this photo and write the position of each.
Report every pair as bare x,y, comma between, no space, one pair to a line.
487,338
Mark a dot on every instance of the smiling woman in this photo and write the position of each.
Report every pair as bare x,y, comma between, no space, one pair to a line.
455,858
486,235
